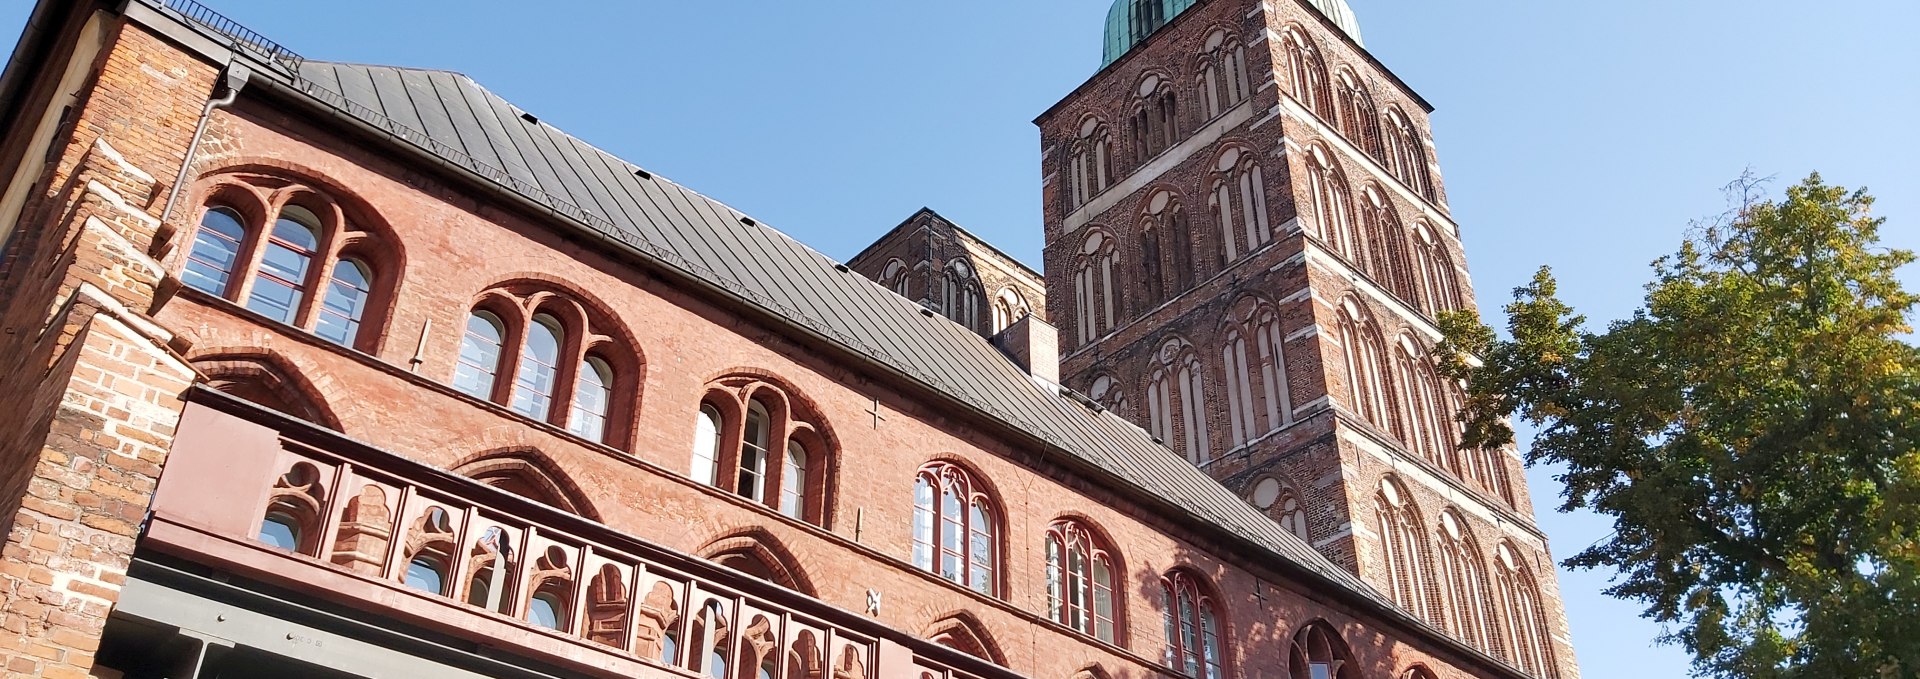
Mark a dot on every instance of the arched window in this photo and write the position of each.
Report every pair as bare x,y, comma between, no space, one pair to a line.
955,532
1176,392
1239,373
1095,293
216,251
1166,247
1239,204
1360,341
1191,619
1407,155
1387,246
793,484
280,284
1332,208
1109,394
281,531
573,367
545,611
753,453
1156,118
345,303
288,251
427,573
1439,288
539,368
480,348
1080,573
1008,307
1463,584
592,397
1359,120
960,295
706,446
762,442
1293,517
1319,653
1403,543
895,277
1422,410
1223,73
1307,73
1522,622
1090,167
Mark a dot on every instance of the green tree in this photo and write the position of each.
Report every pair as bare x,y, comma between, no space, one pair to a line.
1753,429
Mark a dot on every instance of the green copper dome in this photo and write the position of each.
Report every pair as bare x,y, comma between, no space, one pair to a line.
1130,21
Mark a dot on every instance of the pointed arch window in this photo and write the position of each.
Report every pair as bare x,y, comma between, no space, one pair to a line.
1522,622
539,368
706,446
1439,288
1320,653
1464,584
1191,622
1366,383
1407,155
1359,119
1404,546
1080,575
1090,166
793,484
1332,206
1095,293
1307,80
955,529
753,452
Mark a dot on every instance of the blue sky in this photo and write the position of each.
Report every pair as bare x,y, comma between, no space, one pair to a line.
1581,135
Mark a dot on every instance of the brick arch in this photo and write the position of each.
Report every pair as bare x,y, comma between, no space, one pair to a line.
1105,542
359,211
591,326
795,398
268,379
529,473
1093,671
1314,638
609,322
964,632
775,563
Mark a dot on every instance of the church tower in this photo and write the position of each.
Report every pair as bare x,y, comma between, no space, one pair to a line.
1247,246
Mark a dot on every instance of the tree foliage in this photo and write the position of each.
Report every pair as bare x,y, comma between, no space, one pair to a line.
1753,429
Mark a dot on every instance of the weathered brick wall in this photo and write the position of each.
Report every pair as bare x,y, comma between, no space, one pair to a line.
93,389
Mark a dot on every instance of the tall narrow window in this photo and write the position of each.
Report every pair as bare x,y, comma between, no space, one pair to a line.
1273,368
539,366
706,446
1239,388
216,248
1403,542
955,529
592,396
1192,625
753,453
1079,580
1464,583
280,284
345,303
793,483
1193,413
479,355
1521,619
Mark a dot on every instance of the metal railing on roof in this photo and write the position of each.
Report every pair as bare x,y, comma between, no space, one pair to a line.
239,36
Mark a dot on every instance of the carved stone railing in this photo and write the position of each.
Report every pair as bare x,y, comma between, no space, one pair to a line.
276,499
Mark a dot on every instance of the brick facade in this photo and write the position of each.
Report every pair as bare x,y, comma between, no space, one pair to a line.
1326,453
106,337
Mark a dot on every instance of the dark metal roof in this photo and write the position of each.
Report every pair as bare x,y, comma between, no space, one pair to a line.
452,117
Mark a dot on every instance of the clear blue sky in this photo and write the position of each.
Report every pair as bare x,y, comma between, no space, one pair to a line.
1581,135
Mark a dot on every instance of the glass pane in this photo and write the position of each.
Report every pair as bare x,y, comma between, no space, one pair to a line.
216,245
544,611
284,263
296,226
280,531
706,446
793,482
274,299
344,304
479,356
424,574
592,394
922,523
539,361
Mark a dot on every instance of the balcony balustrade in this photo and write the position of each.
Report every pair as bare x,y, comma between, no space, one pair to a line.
291,504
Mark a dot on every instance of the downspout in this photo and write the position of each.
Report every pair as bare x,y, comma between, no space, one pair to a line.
232,80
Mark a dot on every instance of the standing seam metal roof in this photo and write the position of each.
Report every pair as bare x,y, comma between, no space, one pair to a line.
708,240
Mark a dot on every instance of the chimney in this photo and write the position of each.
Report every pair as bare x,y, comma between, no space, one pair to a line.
1034,345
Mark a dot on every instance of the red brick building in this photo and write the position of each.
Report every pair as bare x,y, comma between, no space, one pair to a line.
330,370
